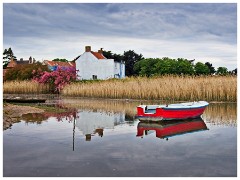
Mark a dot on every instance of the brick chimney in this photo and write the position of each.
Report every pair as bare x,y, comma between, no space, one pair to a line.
100,50
87,48
30,60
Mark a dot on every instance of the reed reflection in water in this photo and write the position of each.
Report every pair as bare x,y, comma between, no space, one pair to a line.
98,138
215,113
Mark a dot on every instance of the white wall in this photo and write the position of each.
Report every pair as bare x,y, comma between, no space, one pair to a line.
119,68
88,65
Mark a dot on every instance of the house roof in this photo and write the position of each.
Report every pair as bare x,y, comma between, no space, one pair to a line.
59,63
22,62
98,55
13,63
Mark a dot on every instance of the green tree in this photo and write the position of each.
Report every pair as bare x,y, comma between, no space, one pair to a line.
201,69
24,72
234,72
149,67
61,60
138,66
184,67
7,56
110,55
145,67
222,71
210,67
130,58
166,66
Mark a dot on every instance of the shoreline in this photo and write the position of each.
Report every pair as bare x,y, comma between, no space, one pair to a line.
12,113
59,97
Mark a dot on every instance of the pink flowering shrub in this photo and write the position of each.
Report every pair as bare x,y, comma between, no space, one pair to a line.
56,79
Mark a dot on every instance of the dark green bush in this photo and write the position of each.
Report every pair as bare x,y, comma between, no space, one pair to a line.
24,72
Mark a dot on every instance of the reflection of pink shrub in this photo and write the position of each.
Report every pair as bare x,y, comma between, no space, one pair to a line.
70,115
57,79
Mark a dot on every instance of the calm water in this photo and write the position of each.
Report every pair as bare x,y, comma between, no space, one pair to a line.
102,138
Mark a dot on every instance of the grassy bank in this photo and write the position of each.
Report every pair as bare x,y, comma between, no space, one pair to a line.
210,88
24,87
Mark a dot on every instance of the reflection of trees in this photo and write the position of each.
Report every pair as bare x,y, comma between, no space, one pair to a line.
34,118
216,113
221,114
60,113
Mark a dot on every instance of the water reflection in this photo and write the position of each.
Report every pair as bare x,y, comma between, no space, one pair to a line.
221,114
93,122
97,138
215,113
68,114
166,129
124,110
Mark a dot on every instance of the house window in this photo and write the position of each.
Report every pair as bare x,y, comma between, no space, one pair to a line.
116,76
94,76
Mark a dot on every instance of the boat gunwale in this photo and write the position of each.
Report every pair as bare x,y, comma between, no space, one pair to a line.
179,106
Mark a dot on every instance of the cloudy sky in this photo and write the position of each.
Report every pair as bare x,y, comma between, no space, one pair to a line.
205,32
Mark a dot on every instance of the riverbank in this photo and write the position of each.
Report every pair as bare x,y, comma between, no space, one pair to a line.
12,113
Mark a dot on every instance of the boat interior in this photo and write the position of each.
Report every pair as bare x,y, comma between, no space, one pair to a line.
151,109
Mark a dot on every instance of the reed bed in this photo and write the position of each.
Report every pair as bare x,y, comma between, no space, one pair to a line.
173,88
215,113
24,87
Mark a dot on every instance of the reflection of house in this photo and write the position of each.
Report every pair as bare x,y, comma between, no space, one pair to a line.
93,65
52,65
95,122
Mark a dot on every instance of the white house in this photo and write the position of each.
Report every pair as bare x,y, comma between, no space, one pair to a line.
93,65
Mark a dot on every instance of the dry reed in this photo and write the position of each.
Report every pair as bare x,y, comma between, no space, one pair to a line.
174,88
24,87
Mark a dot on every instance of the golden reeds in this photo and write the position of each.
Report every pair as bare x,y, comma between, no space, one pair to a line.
24,87
172,88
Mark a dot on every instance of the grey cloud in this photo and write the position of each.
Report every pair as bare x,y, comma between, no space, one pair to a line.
42,24
150,20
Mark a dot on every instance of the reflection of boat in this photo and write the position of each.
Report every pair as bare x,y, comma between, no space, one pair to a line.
171,111
165,129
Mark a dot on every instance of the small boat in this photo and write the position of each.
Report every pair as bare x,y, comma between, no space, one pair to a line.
187,110
166,129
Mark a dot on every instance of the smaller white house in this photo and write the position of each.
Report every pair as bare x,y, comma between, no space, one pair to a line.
93,65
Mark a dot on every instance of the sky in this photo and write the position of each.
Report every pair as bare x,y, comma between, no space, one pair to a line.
206,32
